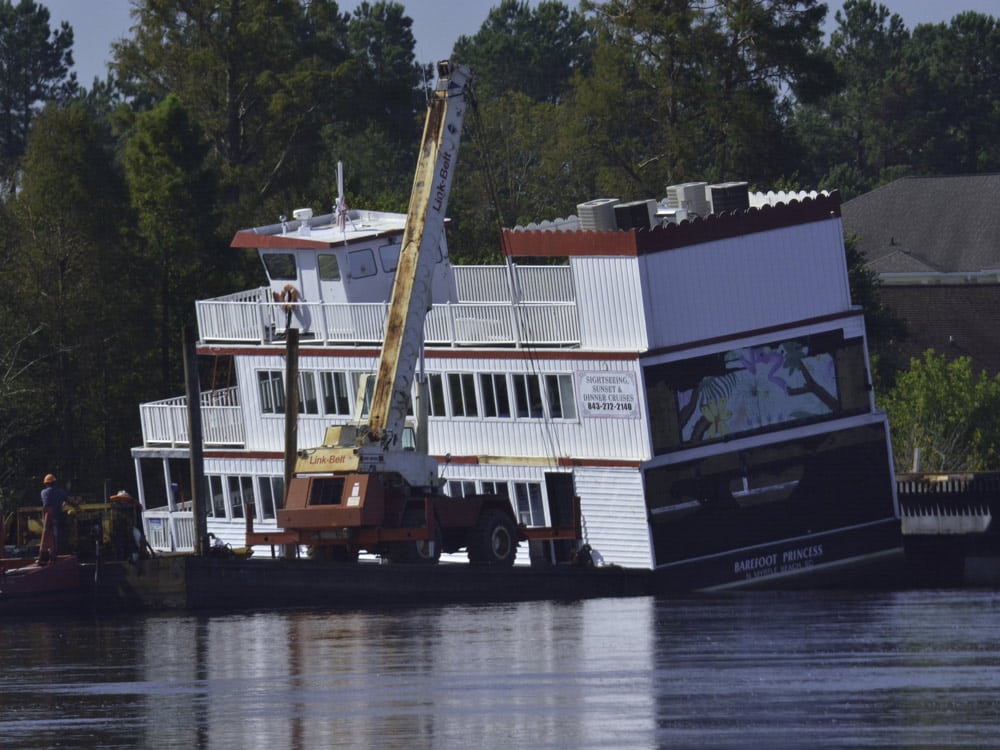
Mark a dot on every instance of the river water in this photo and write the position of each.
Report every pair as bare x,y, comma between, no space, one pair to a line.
827,669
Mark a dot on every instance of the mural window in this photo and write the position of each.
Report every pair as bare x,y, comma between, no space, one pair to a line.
336,397
755,389
496,401
271,385
280,266
559,394
462,388
527,396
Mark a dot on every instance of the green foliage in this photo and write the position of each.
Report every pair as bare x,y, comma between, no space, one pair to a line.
885,331
66,273
531,51
258,76
34,69
920,102
511,169
947,412
173,194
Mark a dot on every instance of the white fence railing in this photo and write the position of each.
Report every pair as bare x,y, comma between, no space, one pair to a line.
531,283
452,324
166,422
169,531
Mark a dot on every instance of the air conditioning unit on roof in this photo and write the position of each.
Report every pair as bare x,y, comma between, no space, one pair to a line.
690,196
636,215
729,196
598,214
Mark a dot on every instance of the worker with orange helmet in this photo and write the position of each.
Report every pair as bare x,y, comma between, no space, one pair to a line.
53,497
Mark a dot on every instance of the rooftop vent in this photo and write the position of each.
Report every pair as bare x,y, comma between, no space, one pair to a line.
690,196
666,215
729,196
598,214
635,215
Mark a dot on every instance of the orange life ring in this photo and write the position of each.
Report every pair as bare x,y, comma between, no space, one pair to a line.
288,296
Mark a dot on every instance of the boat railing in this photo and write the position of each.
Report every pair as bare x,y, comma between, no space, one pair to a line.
254,317
169,531
524,283
166,422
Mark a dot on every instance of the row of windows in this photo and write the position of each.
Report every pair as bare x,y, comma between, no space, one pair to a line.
231,494
528,502
490,395
360,262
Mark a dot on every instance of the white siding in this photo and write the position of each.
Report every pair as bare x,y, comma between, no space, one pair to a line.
266,432
611,500
609,304
745,283
602,438
614,515
581,437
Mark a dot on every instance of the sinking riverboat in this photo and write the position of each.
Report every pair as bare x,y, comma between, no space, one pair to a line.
691,368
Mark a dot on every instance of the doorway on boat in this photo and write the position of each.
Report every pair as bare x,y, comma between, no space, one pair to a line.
561,490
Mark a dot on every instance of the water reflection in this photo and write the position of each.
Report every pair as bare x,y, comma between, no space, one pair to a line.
757,669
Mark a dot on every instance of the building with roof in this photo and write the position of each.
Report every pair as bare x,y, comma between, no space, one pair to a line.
935,244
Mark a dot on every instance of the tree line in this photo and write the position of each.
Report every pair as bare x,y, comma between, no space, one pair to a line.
118,198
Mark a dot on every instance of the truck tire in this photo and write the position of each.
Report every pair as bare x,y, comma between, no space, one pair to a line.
494,540
420,551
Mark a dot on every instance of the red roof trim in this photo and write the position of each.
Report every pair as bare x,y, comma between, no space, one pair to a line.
283,241
250,239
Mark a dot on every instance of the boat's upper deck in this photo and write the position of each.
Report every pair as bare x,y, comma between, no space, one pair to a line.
669,280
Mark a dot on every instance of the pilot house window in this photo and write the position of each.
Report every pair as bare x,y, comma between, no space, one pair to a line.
280,266
329,269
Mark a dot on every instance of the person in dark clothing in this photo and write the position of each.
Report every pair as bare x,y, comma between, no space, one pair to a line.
53,498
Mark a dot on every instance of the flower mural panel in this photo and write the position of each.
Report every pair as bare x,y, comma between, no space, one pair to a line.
761,387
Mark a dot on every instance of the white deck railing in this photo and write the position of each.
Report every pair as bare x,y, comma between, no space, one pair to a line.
166,422
169,531
533,283
545,314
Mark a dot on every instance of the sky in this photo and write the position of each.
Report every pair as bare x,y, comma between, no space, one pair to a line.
97,23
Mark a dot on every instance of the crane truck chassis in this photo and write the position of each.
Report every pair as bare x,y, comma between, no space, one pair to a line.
338,516
361,490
